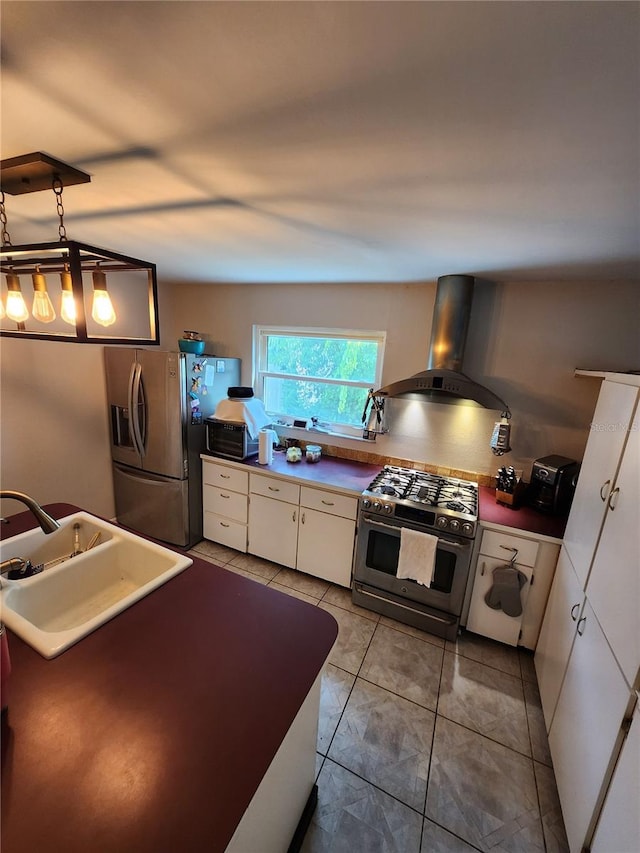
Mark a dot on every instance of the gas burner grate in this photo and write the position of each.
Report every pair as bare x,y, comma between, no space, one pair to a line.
433,490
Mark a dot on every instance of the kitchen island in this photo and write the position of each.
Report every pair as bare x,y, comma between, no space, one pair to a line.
184,723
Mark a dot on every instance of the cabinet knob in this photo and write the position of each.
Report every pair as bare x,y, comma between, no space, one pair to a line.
604,488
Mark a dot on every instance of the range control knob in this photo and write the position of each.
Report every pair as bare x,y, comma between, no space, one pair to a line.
454,524
388,509
366,503
376,506
467,528
441,521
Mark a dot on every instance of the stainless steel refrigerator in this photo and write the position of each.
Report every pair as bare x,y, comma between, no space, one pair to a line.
157,404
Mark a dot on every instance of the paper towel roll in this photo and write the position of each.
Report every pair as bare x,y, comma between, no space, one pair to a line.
266,439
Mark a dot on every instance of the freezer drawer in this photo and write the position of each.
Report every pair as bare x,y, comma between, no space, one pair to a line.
153,505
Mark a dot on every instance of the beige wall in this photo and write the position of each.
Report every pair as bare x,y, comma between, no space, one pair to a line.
54,440
524,343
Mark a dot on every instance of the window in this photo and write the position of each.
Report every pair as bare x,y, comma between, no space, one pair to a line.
321,373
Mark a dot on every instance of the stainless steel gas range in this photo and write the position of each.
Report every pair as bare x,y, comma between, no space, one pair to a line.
442,506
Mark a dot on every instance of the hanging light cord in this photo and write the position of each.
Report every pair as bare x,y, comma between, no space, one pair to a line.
57,188
6,237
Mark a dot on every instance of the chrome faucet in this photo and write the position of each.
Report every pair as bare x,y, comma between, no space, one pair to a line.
48,524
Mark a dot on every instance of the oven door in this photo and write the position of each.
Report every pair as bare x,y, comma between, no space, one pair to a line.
376,565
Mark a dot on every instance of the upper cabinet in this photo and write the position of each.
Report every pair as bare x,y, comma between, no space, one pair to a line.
597,480
614,582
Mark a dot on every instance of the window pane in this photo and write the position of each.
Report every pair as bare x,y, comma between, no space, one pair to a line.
301,399
335,358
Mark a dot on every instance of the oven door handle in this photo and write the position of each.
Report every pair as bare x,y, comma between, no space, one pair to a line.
395,528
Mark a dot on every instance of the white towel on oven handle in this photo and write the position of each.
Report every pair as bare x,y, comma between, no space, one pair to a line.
417,558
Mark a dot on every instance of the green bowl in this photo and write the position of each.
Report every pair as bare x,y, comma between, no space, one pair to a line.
196,347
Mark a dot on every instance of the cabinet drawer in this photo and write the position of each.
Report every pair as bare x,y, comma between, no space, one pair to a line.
270,487
223,530
497,545
330,502
225,477
224,502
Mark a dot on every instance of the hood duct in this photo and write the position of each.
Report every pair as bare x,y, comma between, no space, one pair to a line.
444,381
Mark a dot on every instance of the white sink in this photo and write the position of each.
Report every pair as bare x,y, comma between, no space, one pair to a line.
54,609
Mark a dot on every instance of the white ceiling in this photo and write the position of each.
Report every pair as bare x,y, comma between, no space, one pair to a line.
334,141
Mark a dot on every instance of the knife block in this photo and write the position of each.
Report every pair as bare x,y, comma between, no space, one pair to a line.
512,499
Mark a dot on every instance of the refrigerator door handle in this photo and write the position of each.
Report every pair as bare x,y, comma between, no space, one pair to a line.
134,401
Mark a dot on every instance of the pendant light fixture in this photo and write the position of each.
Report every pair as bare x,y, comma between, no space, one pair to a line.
126,312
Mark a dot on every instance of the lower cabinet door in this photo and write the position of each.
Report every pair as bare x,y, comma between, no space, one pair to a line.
586,727
486,620
325,546
273,530
619,825
557,634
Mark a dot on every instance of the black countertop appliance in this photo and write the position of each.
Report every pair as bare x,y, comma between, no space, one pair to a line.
553,483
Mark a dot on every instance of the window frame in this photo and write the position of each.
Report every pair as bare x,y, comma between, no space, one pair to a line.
261,333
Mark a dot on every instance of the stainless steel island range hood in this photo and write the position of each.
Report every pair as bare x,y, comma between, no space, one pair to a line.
443,380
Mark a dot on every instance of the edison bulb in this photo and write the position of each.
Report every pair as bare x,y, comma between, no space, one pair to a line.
16,307
3,313
67,302
42,306
102,311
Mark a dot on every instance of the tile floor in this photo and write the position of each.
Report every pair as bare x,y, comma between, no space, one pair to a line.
424,746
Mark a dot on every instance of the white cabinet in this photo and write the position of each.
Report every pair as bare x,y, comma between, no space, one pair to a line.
306,528
225,504
619,825
614,582
586,726
273,519
326,535
536,560
558,633
588,656
608,432
273,530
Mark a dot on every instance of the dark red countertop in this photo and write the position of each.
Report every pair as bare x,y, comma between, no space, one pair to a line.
330,471
524,518
334,472
154,732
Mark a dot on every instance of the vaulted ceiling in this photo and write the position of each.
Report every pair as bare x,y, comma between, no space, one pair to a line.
334,141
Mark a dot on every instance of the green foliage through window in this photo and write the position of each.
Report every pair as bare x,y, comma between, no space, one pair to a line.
325,374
